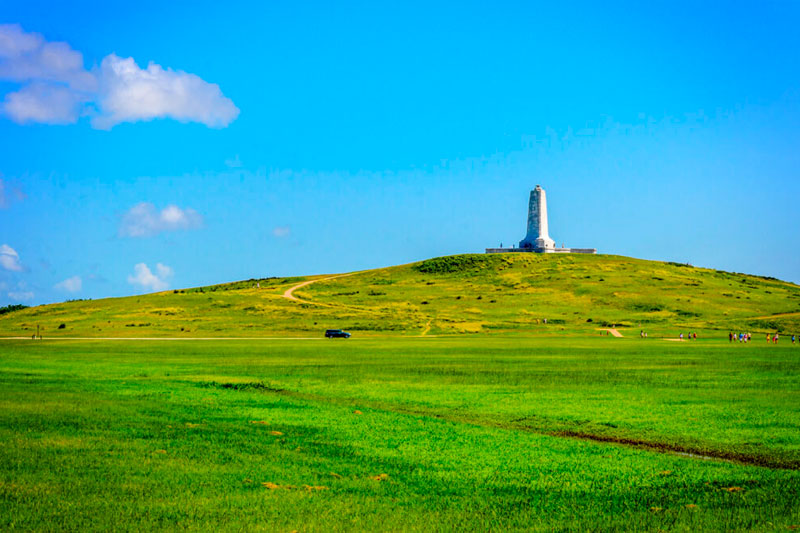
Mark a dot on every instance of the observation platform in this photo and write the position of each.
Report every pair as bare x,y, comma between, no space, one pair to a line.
542,251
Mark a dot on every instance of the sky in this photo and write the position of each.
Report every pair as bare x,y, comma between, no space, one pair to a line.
162,145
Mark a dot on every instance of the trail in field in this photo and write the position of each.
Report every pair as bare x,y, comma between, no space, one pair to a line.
777,315
613,331
426,329
288,292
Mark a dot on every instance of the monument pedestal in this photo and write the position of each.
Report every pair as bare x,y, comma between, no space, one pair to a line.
535,251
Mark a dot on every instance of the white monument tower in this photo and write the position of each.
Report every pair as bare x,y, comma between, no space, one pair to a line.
537,237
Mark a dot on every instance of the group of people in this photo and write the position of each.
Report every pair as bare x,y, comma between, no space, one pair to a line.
742,337
747,337
774,338
689,337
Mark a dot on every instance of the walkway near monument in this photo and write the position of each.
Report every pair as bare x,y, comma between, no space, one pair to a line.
537,239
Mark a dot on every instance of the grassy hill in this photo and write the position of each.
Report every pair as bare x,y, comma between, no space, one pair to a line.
463,294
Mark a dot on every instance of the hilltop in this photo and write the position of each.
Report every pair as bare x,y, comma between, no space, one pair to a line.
462,294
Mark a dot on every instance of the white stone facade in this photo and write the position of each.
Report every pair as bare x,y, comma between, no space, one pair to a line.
538,237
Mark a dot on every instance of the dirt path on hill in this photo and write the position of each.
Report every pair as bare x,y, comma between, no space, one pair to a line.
426,329
778,315
613,331
288,292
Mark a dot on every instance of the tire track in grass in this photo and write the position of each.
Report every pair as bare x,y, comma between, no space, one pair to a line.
693,452
777,315
679,449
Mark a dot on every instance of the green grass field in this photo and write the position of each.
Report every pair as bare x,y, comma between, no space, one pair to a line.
473,432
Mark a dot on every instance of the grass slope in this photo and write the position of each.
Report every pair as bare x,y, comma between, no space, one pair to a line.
503,293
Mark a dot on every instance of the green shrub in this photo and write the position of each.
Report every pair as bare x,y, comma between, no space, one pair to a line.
460,263
12,308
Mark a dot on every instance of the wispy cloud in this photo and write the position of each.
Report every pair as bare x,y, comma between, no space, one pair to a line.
144,220
147,279
57,89
73,284
9,193
281,231
234,163
9,259
21,296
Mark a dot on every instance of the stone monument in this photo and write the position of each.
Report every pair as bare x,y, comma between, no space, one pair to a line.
538,238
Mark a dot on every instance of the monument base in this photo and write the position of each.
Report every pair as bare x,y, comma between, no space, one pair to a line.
542,251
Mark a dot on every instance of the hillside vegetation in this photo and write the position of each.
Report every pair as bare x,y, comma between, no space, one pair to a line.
463,294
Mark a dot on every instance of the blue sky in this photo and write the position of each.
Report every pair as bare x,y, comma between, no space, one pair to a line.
146,146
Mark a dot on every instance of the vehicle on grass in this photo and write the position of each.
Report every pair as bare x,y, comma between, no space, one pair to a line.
336,333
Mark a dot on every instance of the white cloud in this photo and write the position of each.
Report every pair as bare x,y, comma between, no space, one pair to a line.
73,284
27,56
129,94
21,296
144,220
281,231
9,259
45,103
146,279
57,89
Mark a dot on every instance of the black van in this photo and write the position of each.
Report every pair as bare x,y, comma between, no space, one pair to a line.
333,333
